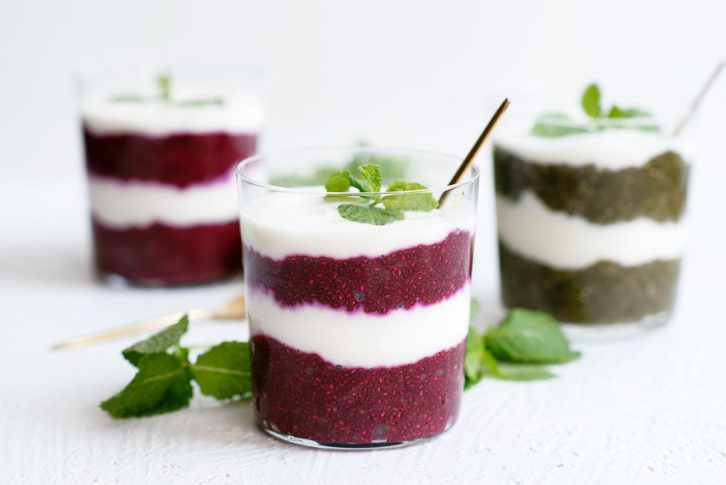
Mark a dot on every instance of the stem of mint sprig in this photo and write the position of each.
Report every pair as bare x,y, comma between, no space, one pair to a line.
366,208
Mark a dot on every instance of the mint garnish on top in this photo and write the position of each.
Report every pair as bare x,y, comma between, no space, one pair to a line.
365,208
598,119
164,85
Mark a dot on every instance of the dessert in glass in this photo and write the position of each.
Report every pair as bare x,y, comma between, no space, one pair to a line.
590,219
358,299
160,166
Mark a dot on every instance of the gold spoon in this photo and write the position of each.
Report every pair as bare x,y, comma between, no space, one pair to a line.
469,159
699,97
234,310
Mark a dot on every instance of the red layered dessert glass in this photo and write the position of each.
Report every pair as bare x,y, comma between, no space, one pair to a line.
357,328
160,169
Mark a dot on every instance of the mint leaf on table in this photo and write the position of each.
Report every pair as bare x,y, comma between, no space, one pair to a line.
162,384
369,215
521,372
223,371
338,182
409,202
159,342
531,337
591,100
515,349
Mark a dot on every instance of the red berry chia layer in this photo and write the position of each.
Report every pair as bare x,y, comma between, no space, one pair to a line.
300,394
180,159
423,274
161,254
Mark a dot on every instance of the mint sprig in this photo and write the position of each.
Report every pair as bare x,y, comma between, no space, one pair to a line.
164,84
368,179
517,348
163,382
599,119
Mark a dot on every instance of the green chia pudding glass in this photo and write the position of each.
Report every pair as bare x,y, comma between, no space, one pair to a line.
358,298
590,220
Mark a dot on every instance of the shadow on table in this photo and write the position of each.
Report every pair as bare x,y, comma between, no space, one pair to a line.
51,264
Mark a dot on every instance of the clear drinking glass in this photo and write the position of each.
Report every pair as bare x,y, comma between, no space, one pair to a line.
160,150
357,330
590,225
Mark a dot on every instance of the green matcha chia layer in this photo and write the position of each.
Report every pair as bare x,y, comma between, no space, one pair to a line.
657,190
604,292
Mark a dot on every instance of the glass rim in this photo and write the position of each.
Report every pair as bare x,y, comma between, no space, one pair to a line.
241,177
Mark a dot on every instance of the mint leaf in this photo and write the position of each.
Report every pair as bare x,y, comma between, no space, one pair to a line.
162,384
188,103
368,215
338,182
159,342
591,100
529,337
127,98
409,202
224,371
366,178
554,126
163,82
473,359
616,112
522,372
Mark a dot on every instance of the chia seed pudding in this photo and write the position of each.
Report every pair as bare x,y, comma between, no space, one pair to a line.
357,330
590,225
161,185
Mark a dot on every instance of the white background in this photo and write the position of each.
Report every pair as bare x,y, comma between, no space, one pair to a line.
420,74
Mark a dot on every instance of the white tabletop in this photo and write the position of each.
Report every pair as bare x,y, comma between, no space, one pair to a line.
650,409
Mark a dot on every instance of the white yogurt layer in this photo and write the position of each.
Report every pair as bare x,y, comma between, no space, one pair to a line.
240,113
360,339
283,224
125,204
529,228
612,149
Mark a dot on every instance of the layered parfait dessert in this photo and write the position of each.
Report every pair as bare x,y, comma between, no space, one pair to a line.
160,174
590,216
358,305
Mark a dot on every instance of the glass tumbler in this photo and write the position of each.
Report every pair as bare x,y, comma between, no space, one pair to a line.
357,329
590,226
160,150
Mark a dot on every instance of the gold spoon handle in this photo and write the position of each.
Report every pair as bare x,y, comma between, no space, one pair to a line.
151,324
469,159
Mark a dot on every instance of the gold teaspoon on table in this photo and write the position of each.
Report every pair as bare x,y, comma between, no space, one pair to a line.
234,310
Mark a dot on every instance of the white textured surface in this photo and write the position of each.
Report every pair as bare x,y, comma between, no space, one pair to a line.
133,203
567,241
284,224
651,409
399,337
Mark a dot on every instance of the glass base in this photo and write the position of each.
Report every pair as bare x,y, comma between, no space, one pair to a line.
324,445
593,332
118,281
